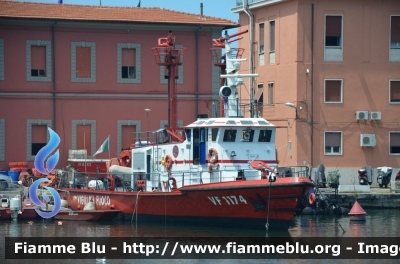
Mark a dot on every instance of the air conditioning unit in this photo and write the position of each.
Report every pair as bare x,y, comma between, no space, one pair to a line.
367,140
375,116
362,115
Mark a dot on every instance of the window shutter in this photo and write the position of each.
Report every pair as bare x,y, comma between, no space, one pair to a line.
395,139
395,91
39,134
332,139
332,91
261,40
129,136
395,29
272,36
83,62
333,26
38,57
128,57
83,137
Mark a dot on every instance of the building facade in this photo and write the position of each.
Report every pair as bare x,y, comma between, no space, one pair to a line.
336,64
89,72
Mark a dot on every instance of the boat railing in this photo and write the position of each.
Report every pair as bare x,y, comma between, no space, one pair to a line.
195,175
294,171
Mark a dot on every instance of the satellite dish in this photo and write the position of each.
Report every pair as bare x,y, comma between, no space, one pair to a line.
225,91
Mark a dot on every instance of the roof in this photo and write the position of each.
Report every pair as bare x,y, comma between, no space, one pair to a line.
29,10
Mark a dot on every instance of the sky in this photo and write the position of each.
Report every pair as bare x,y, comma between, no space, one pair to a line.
215,8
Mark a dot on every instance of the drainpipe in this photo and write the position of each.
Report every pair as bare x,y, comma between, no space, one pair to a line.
197,69
53,70
251,26
312,85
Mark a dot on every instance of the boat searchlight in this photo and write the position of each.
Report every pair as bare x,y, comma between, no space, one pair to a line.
233,153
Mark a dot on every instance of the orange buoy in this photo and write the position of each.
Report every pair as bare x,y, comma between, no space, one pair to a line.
357,213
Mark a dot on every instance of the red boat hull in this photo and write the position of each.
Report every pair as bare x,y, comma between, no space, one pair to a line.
87,215
27,213
238,203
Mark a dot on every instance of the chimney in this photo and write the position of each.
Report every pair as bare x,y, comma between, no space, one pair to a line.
201,8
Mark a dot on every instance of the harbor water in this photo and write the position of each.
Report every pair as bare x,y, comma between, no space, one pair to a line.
378,223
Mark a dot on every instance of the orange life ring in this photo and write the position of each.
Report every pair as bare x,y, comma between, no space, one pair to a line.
212,155
168,163
311,199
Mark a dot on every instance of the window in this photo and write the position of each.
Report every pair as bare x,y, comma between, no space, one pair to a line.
128,132
230,135
1,59
39,138
270,93
259,97
38,61
84,135
36,136
333,143
164,72
394,139
333,91
333,31
214,134
272,42
83,61
247,135
333,38
394,51
261,44
394,91
128,64
265,135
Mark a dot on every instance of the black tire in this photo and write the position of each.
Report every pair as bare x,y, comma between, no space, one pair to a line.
3,185
385,185
380,185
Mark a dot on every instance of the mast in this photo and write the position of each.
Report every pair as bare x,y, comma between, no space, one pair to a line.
166,54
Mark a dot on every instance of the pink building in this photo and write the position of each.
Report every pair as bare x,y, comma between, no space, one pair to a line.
337,64
88,72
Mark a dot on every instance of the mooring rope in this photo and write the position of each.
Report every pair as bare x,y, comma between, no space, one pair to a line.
269,200
136,206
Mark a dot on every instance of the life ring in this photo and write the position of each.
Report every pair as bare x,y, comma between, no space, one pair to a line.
174,187
311,198
168,161
212,155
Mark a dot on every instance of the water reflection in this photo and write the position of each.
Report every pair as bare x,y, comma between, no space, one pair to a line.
378,223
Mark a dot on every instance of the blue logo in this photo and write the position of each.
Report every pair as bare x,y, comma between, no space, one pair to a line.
50,165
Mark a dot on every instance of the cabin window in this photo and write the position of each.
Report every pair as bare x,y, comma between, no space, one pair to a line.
214,134
247,135
230,135
265,135
188,134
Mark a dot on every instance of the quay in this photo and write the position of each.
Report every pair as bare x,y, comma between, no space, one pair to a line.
376,197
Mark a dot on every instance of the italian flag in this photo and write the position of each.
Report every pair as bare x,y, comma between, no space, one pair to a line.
104,147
